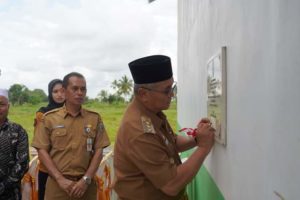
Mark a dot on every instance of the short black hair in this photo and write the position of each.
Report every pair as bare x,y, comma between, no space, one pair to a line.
68,76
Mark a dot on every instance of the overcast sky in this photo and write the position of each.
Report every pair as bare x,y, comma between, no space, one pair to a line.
45,39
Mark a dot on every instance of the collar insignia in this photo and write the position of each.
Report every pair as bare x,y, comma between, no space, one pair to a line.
147,125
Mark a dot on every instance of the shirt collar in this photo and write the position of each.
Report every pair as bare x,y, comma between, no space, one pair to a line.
65,112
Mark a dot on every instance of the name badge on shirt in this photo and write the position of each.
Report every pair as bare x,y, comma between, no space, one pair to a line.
89,140
89,144
59,126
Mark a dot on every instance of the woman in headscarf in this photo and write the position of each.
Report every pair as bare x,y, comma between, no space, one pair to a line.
56,98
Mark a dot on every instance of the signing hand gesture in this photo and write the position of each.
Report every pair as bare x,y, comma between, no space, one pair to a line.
205,134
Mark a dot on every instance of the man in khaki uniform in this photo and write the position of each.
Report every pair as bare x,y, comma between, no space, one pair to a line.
69,141
146,160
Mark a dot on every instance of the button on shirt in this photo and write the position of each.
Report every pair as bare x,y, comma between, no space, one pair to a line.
65,138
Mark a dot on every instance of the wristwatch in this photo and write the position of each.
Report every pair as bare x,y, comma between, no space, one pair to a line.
87,180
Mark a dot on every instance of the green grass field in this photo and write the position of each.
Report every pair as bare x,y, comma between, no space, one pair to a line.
111,115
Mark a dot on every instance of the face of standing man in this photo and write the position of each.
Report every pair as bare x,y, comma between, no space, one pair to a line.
75,91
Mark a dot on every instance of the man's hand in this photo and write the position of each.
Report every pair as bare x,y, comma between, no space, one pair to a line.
205,134
79,189
204,120
65,184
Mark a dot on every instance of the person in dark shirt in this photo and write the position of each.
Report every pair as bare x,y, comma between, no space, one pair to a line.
14,153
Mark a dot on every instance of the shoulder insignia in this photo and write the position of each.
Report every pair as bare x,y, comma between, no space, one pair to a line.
147,125
39,117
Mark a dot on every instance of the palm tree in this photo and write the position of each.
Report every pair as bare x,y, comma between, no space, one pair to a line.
123,87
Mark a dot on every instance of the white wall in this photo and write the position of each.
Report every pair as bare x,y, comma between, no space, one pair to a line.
263,94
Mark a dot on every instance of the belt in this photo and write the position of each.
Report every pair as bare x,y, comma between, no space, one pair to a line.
73,178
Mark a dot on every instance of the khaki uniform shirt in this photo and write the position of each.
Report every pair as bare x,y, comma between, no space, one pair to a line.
39,119
65,138
145,155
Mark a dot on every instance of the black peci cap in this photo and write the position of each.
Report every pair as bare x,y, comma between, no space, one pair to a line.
151,69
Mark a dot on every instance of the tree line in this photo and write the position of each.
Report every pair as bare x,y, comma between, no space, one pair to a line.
122,92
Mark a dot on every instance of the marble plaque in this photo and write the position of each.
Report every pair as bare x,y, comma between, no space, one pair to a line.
216,94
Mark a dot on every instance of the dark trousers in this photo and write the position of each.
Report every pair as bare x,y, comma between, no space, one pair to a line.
42,179
12,193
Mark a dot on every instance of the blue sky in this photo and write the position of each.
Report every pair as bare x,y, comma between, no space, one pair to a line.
45,39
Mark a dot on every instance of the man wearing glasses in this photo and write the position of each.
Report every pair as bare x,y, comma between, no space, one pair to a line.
146,160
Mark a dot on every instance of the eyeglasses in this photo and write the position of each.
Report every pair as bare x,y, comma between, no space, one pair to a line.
166,92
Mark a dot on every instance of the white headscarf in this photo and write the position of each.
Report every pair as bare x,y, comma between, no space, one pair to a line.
4,93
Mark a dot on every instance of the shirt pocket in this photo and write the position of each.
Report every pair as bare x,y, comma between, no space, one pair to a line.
59,138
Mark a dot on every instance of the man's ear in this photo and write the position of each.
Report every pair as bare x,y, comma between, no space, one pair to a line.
141,92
